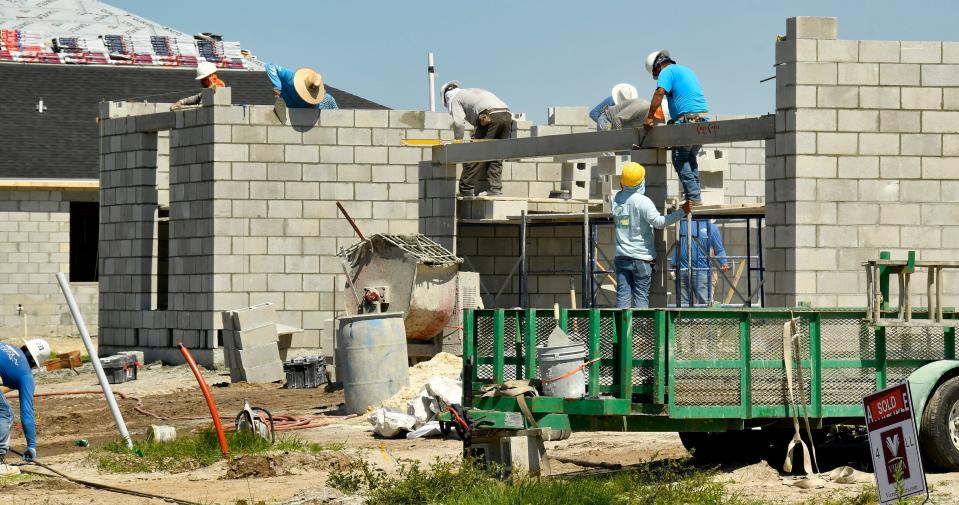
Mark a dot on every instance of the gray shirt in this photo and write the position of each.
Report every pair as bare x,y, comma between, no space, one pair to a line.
466,106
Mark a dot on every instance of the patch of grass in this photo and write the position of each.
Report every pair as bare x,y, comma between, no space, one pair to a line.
12,480
191,451
445,483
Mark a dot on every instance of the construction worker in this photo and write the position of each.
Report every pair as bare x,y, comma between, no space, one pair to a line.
619,94
622,109
15,372
686,105
707,242
635,216
491,119
206,74
302,89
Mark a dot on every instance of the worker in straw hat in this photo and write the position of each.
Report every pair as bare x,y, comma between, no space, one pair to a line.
687,104
300,89
634,217
206,74
491,119
15,372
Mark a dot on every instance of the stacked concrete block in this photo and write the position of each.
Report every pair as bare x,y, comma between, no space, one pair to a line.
575,179
859,163
569,116
250,345
499,208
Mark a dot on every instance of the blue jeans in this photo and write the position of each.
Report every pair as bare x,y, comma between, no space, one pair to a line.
701,285
633,278
6,421
687,168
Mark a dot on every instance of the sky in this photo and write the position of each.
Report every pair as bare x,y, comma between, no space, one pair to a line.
535,54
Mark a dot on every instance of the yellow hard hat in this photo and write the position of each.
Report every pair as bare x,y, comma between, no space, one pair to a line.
633,175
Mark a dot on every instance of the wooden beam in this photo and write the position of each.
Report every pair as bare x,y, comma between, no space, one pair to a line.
734,130
91,184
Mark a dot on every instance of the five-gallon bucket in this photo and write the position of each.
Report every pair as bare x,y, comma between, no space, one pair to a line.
554,363
371,358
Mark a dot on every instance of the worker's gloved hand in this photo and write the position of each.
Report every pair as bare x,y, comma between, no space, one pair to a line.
30,455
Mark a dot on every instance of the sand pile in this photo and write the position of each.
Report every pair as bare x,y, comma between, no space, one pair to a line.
443,364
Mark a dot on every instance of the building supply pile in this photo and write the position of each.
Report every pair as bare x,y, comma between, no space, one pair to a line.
250,344
434,385
305,372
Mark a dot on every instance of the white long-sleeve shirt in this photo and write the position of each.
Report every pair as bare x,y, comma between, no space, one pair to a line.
466,106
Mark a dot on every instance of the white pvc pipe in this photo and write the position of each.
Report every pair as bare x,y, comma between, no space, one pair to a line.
94,358
432,73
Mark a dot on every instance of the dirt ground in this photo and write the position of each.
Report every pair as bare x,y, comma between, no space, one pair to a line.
298,479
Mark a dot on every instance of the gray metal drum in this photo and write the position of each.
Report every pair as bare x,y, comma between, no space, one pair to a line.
371,358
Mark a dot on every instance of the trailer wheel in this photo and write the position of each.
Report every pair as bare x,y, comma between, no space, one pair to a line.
724,446
939,434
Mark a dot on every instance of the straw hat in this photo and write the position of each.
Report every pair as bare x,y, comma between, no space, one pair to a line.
309,85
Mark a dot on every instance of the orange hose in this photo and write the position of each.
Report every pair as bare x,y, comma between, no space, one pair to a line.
209,400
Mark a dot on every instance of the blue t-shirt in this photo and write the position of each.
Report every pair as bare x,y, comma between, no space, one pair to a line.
706,236
16,374
683,91
282,79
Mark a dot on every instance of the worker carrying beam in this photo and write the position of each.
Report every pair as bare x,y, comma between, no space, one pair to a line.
206,74
686,105
15,372
491,119
622,109
302,89
634,217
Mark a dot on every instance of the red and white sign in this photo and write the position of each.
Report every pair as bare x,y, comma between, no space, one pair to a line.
894,444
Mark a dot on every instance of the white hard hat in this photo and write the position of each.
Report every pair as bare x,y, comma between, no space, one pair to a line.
651,59
622,92
448,85
205,69
39,350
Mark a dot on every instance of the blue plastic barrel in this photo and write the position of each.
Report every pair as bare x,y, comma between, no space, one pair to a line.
371,358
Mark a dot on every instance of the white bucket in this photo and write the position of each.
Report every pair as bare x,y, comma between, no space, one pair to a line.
558,361
161,433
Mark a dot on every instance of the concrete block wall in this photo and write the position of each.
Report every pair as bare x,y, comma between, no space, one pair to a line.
866,148
34,246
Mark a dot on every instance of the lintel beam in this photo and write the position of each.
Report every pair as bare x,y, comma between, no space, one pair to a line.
733,130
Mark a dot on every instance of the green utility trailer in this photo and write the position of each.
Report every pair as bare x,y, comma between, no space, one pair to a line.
713,371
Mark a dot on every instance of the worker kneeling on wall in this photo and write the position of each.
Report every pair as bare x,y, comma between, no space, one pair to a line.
16,373
635,216
300,89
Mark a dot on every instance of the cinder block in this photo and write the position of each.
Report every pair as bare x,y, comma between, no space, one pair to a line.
898,74
493,209
253,357
810,27
940,122
921,52
259,315
302,154
406,119
838,96
354,136
940,75
858,120
336,154
542,131
793,50
257,337
858,74
336,117
839,50
922,98
878,143
881,97
816,73
879,51
263,374
837,143
569,116
372,118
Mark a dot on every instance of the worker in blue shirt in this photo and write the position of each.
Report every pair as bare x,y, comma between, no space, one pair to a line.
302,89
686,105
16,373
707,242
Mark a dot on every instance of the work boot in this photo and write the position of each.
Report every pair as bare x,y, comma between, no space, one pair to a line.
7,470
492,192
467,193
695,203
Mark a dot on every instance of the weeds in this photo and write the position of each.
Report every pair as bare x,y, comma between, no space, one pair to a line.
191,452
444,483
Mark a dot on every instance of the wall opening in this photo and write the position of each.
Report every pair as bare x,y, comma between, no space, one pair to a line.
84,239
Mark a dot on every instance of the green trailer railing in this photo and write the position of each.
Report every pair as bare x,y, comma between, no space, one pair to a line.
696,369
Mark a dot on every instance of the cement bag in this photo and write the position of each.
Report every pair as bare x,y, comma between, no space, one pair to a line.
430,429
447,391
390,423
421,407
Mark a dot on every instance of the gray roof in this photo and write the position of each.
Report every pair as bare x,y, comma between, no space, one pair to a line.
83,18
